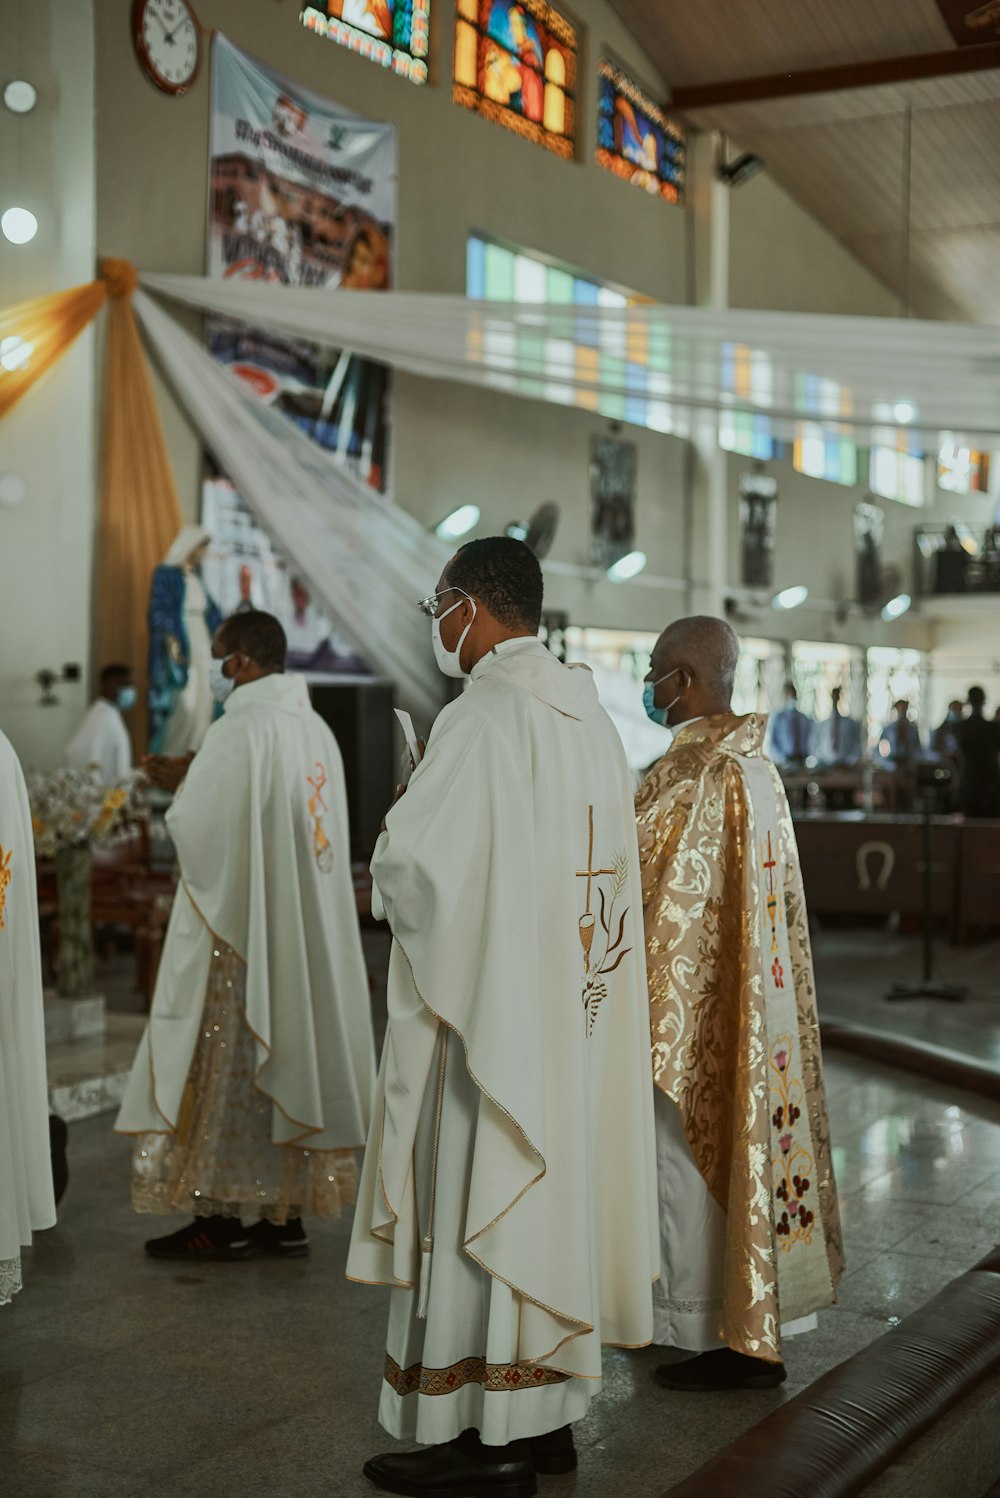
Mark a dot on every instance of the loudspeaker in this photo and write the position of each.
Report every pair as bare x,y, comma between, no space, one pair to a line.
360,716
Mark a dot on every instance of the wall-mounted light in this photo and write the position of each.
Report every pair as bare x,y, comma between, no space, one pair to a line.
904,412
627,566
19,225
20,96
896,607
13,491
15,352
790,598
459,523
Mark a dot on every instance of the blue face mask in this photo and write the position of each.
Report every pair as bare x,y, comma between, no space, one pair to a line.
656,714
125,698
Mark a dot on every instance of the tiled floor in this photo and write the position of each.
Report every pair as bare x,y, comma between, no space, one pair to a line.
121,1376
856,968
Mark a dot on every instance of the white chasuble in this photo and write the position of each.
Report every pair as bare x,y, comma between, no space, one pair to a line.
26,1200
756,1247
260,828
510,1175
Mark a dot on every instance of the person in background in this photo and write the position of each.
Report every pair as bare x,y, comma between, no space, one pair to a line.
944,739
837,739
899,742
979,758
791,731
102,738
900,748
750,1244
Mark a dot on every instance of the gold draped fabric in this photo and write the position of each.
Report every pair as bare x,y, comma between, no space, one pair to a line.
45,328
139,513
706,903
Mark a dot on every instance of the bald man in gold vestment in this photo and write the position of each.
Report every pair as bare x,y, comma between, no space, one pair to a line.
750,1233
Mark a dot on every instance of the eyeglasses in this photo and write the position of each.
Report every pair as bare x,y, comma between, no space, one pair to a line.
431,605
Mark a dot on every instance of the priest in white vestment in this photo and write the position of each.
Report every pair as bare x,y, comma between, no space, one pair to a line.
253,1083
750,1232
508,1191
102,738
26,1198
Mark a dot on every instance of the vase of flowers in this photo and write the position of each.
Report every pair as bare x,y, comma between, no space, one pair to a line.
72,812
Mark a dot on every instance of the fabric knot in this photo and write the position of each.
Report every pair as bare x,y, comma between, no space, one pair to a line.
121,276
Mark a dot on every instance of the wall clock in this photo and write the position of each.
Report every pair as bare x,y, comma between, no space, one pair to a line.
167,43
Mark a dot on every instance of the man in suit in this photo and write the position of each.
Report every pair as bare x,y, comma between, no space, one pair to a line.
791,731
978,742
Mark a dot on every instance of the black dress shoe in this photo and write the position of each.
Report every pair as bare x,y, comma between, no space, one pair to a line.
208,1239
58,1135
464,1468
553,1453
284,1240
711,1372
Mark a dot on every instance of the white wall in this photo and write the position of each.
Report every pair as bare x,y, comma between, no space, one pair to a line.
46,545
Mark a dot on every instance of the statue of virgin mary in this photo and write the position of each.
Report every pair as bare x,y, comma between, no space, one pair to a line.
182,621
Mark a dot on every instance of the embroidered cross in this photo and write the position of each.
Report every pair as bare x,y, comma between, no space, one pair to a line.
318,782
590,874
5,878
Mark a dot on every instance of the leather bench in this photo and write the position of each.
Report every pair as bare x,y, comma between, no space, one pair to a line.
837,1436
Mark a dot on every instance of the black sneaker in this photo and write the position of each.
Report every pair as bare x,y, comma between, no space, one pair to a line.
553,1453
285,1240
712,1372
208,1239
463,1468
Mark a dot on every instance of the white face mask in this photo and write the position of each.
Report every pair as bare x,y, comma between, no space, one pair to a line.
450,661
220,685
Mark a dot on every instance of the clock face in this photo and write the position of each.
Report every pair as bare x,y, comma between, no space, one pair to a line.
167,43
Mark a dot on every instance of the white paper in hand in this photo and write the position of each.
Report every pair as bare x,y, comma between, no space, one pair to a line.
410,734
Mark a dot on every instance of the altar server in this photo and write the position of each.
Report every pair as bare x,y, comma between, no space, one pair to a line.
508,1192
253,1082
26,1199
102,738
750,1236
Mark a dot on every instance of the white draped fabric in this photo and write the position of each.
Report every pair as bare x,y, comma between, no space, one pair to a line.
365,559
948,373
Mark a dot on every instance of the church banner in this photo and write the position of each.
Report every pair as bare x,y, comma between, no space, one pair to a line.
302,193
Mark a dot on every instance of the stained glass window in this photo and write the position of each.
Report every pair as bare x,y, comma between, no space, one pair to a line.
635,138
633,358
515,63
747,373
393,33
897,469
960,469
821,451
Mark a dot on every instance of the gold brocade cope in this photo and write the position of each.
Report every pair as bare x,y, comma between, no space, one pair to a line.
724,919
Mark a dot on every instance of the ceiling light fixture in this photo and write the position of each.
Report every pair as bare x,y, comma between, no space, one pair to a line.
896,607
627,566
904,412
19,225
459,523
790,598
15,352
20,96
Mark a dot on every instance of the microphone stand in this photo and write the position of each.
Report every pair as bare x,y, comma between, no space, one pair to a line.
928,988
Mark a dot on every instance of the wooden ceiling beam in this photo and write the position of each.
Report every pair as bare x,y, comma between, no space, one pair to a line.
888,70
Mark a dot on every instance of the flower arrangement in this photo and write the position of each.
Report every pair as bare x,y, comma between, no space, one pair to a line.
72,812
75,809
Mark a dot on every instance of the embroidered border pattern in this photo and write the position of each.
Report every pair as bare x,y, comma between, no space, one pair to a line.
5,878
793,1165
496,1378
